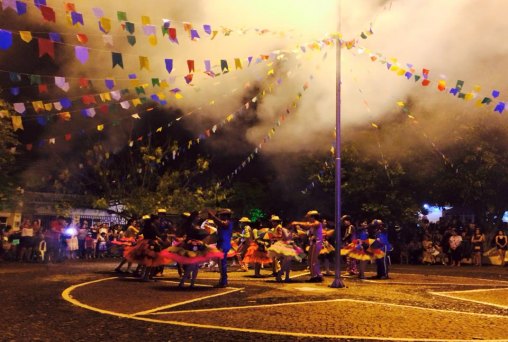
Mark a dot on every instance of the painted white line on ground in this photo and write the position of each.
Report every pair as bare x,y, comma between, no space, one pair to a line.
146,312
448,295
66,294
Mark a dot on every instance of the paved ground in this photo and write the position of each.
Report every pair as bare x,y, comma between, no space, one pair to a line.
83,301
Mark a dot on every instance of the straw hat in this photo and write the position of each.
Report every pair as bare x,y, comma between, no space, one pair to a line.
312,213
244,220
275,218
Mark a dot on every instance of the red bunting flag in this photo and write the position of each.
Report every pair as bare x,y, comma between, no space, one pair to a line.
172,35
425,82
68,137
43,88
82,38
83,82
188,78
46,47
48,13
190,64
29,147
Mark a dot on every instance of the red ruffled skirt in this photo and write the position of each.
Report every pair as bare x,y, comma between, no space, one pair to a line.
362,250
192,253
256,254
145,252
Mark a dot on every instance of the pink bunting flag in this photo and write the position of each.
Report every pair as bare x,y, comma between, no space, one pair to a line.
81,53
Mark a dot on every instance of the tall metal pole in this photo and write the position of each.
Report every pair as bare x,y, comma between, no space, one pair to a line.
337,281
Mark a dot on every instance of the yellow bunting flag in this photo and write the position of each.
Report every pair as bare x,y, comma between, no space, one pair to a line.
105,24
26,36
48,106
144,63
164,84
136,116
152,39
105,97
136,102
374,125
100,127
145,20
17,123
469,96
214,33
38,106
400,104
230,117
158,130
66,116
238,63
270,72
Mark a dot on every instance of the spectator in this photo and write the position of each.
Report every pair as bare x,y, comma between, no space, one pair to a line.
477,241
501,243
455,243
27,241
414,250
82,233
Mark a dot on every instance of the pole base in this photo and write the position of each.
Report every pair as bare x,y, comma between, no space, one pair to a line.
337,284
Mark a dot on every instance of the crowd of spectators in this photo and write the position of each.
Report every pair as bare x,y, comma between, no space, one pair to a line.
453,244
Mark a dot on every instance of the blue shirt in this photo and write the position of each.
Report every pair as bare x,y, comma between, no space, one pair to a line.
224,235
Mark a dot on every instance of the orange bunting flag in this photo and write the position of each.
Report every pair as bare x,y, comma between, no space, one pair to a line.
65,116
82,38
26,36
441,85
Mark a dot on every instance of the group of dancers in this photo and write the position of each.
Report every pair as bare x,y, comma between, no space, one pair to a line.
200,240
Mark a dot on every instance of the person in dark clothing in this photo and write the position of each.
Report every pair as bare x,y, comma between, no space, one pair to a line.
224,234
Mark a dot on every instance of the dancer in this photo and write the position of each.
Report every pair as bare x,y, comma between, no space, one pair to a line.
244,242
349,236
315,228
284,250
224,234
382,240
477,241
147,251
256,253
362,249
128,239
192,250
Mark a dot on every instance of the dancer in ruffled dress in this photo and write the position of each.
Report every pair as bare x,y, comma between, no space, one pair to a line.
256,252
192,251
146,252
126,240
362,249
315,228
284,250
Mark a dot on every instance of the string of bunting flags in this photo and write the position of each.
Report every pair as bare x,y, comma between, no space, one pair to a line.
178,150
267,137
408,71
105,24
104,102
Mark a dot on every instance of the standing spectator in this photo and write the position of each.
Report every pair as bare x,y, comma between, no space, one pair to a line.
89,246
428,251
27,241
501,243
82,232
455,243
477,241
101,245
